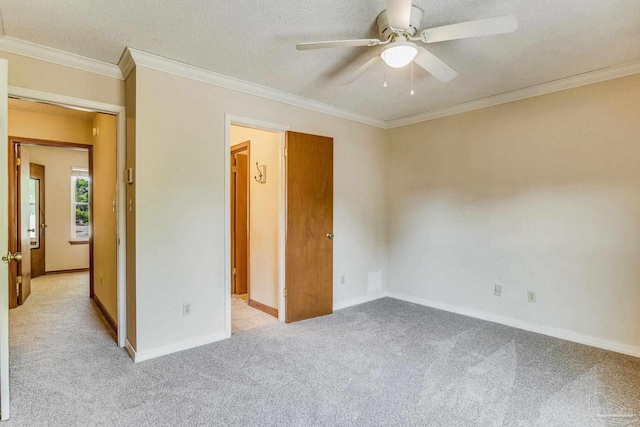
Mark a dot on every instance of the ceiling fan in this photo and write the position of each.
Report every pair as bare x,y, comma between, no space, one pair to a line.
398,27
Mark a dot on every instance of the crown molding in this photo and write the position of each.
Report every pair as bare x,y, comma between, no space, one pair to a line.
170,66
132,57
584,79
55,56
126,63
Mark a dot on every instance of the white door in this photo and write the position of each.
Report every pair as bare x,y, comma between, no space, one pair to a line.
4,242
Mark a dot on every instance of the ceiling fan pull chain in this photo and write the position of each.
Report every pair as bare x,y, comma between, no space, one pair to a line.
411,93
384,75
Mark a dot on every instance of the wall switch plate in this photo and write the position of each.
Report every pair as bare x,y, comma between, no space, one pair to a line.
531,296
186,309
497,291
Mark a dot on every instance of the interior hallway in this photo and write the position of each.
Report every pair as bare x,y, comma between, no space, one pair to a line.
59,311
57,330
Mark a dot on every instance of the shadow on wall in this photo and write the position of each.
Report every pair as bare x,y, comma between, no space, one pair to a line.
541,194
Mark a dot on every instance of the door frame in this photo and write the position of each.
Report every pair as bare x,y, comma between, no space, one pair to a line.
14,142
121,194
5,407
245,146
230,119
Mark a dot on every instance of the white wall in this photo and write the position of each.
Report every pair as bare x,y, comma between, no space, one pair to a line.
60,254
541,194
180,192
264,207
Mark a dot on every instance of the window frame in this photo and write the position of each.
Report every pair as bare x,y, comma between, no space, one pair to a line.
79,173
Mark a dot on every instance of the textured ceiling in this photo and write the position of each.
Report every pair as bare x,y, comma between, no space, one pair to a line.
255,41
48,109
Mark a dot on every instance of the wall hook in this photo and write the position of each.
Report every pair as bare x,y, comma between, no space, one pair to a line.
261,174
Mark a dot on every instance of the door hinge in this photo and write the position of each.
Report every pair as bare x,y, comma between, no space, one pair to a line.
18,283
286,151
234,271
18,161
19,280
284,293
234,169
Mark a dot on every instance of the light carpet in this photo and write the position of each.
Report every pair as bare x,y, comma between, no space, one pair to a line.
385,363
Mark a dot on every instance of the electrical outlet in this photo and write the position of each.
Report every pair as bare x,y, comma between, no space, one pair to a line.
186,309
531,296
497,291
343,280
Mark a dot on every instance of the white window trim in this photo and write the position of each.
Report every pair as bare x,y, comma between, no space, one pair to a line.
76,173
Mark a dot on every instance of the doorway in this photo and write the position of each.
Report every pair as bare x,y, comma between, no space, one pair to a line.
240,219
77,104
37,223
66,219
254,227
301,207
63,212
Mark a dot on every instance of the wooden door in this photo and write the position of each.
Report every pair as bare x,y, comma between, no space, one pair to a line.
241,222
309,230
4,238
240,218
24,241
37,225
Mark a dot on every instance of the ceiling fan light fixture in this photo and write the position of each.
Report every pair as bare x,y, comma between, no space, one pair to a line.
399,54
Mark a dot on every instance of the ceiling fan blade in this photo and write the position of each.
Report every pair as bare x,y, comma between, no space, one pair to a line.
434,65
338,43
463,30
354,73
399,13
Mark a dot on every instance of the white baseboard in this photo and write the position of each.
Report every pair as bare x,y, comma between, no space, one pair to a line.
129,347
520,324
359,300
141,356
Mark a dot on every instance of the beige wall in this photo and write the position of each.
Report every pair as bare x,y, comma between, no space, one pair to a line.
48,127
180,212
47,77
131,91
57,162
541,194
104,215
264,211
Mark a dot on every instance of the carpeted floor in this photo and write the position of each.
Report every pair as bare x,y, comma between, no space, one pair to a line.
386,363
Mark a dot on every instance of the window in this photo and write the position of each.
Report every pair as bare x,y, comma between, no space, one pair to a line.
80,226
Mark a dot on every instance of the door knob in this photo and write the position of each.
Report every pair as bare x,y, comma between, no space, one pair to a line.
330,236
11,257
31,230
44,226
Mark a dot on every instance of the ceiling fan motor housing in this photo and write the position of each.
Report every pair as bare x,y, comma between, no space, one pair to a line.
385,31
